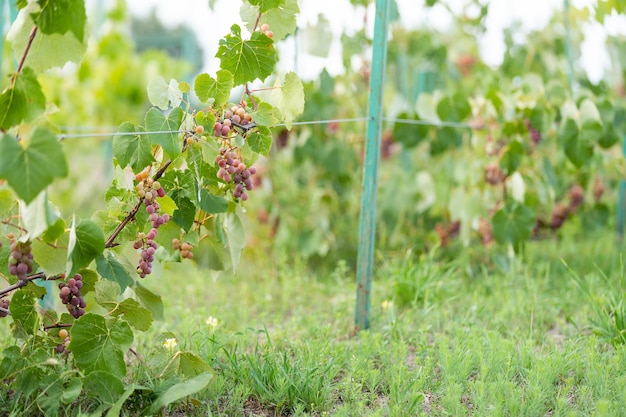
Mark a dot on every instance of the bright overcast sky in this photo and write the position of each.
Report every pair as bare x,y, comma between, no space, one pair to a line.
212,25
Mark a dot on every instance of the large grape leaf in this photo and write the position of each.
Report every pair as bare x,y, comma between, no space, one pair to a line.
86,243
60,16
130,148
157,122
282,20
23,101
207,87
288,97
150,300
249,59
31,168
48,50
96,347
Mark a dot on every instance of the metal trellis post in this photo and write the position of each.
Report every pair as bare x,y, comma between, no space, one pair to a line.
367,226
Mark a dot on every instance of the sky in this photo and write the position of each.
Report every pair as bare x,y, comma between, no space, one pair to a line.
212,25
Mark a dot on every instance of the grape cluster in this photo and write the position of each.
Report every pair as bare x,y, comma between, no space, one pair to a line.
185,248
20,259
237,115
4,303
598,189
535,135
265,28
149,191
70,295
493,174
62,347
231,168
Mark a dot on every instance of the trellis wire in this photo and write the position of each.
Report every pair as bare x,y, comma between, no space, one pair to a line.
433,123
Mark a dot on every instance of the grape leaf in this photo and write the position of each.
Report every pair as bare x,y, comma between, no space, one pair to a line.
48,50
38,215
282,20
512,157
186,364
409,135
211,203
51,259
186,211
158,93
86,242
289,97
32,168
151,301
513,224
96,347
60,16
132,149
260,141
218,89
103,386
265,5
25,317
247,60
157,122
576,150
455,108
110,268
23,101
136,315
181,390
266,115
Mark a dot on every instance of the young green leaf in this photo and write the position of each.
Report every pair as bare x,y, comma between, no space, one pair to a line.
31,168
207,87
110,268
158,93
23,101
260,141
157,122
132,149
88,244
249,59
288,97
61,16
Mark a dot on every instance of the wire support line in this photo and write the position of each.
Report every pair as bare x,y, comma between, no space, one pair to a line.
104,135
303,123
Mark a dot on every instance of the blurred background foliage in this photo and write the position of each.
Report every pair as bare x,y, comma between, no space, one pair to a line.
433,187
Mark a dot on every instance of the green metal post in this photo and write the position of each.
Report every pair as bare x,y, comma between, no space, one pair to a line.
621,203
367,227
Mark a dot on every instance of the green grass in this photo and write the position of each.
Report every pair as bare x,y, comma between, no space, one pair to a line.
445,339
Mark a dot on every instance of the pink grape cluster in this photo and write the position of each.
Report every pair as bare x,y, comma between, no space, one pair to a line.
149,191
62,347
265,28
4,303
70,295
237,115
20,259
231,168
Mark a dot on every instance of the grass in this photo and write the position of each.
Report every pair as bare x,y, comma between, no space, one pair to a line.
537,340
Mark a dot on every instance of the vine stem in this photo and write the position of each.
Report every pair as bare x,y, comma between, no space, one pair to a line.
5,311
22,283
31,38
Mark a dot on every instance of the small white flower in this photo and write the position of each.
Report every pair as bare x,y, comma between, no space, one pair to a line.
170,344
212,322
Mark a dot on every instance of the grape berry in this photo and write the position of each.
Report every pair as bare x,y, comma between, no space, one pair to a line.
62,347
70,295
185,248
236,116
20,259
231,168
